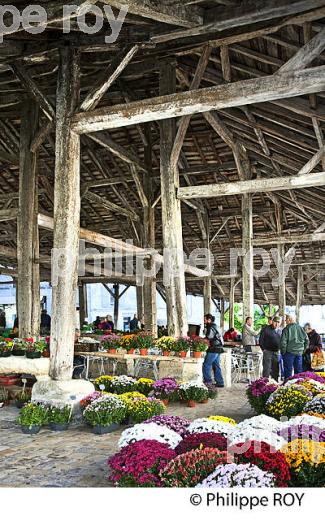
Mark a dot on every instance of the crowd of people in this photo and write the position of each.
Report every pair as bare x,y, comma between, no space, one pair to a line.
286,350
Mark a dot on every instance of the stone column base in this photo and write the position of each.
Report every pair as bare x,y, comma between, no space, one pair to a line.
60,393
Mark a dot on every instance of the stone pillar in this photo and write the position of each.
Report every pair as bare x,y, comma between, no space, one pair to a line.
248,263
66,218
28,285
174,276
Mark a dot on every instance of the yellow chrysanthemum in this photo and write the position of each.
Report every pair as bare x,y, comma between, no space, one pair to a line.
222,419
304,450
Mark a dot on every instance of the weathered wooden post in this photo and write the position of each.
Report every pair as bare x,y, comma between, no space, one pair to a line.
232,303
174,277
116,288
27,227
65,251
248,261
83,308
300,292
140,302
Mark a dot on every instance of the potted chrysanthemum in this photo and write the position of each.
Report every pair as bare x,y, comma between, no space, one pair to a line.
35,349
59,417
5,347
105,414
32,417
182,346
199,346
111,343
166,345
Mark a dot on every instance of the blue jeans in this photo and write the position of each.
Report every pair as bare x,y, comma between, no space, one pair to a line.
212,362
290,362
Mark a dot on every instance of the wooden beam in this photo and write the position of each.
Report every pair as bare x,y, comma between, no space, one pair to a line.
203,100
218,20
248,264
111,206
310,165
8,214
162,11
289,239
113,71
66,217
120,151
306,54
299,292
252,186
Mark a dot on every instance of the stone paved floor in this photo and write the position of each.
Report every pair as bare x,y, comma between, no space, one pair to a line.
77,458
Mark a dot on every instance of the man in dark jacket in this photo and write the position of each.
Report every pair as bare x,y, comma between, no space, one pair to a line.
270,344
212,357
45,322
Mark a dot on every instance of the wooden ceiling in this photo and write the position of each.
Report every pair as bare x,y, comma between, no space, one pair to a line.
280,137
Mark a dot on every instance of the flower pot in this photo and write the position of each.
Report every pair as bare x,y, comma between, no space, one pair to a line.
112,351
165,402
205,401
131,351
56,427
143,351
191,404
166,353
33,355
182,354
196,355
102,430
5,353
46,354
32,430
18,352
9,380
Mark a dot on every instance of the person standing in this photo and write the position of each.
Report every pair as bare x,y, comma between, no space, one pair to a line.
212,357
270,344
249,335
134,324
45,323
294,342
315,345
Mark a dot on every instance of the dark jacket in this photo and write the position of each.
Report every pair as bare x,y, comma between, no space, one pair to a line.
270,339
315,342
214,337
45,321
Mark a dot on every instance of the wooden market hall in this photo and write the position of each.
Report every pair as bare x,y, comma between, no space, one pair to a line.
201,126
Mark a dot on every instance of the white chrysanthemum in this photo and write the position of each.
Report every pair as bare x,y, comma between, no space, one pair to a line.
149,432
308,420
244,434
208,425
262,422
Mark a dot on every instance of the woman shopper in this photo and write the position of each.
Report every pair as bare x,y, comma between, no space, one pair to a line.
313,358
212,357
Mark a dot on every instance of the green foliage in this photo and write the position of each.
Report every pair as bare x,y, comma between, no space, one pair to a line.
261,312
33,415
59,415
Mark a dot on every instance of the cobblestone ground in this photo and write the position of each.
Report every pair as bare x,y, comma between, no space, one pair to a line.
77,457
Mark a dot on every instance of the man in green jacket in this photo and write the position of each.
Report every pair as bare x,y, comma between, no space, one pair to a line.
294,342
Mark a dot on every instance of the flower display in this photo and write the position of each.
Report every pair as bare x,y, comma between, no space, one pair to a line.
252,436
287,401
106,410
192,467
90,398
313,386
202,440
122,384
302,431
153,432
182,344
258,393
165,388
126,342
175,423
105,382
262,422
317,404
166,343
33,414
139,464
238,475
59,414
207,425
306,459
111,341
142,340
309,375
222,419
193,391
199,344
140,409
144,385
264,456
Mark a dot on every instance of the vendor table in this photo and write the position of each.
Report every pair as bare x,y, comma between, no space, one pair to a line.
184,369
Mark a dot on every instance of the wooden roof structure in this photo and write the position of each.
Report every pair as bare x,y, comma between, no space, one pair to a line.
244,49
